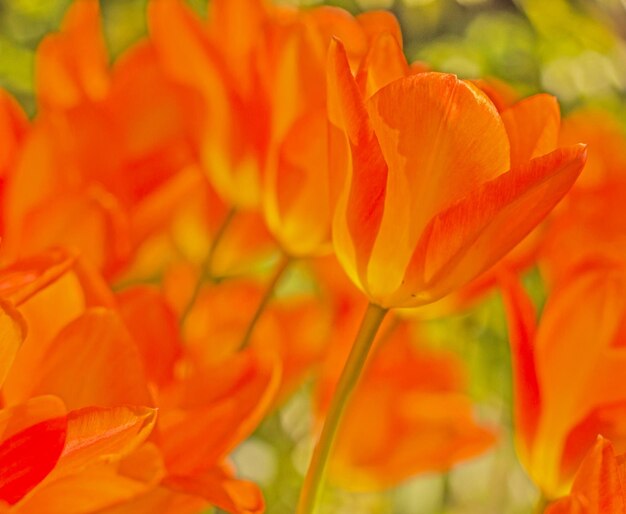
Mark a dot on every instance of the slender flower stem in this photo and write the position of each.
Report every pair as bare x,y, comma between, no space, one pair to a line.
446,491
206,269
314,480
541,504
267,296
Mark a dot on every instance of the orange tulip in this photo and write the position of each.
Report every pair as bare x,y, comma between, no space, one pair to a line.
599,485
431,190
43,447
65,414
568,372
122,354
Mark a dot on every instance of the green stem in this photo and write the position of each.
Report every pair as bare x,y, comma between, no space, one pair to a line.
206,269
446,491
267,296
541,504
314,480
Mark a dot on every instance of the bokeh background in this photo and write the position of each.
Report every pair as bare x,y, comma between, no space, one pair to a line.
572,49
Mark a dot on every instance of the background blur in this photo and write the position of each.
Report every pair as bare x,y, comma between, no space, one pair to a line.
573,49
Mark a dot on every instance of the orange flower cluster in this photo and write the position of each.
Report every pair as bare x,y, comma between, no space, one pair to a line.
153,207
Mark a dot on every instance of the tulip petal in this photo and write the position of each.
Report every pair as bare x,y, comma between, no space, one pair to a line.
20,281
97,487
473,234
161,500
533,127
441,138
73,65
377,23
32,436
296,204
96,434
240,23
96,352
588,306
222,490
384,63
357,170
599,484
207,416
154,327
522,328
12,334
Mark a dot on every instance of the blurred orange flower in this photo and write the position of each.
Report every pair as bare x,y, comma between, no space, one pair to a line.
84,384
589,222
568,372
103,165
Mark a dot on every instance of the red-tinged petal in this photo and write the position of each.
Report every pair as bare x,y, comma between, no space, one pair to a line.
357,170
533,127
32,436
12,333
384,63
154,327
33,411
522,328
473,234
73,65
222,490
94,351
441,139
126,484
